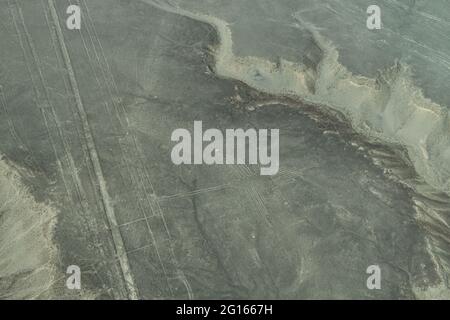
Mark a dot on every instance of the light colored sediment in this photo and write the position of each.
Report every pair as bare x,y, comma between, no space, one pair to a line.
389,109
27,252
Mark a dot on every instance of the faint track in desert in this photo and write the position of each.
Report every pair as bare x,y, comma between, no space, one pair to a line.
106,199
142,176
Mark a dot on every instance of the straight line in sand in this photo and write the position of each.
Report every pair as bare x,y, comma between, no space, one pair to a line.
93,155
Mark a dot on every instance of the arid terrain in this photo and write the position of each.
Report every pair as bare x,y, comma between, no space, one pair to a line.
86,177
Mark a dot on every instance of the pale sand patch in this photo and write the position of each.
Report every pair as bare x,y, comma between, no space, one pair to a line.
27,252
